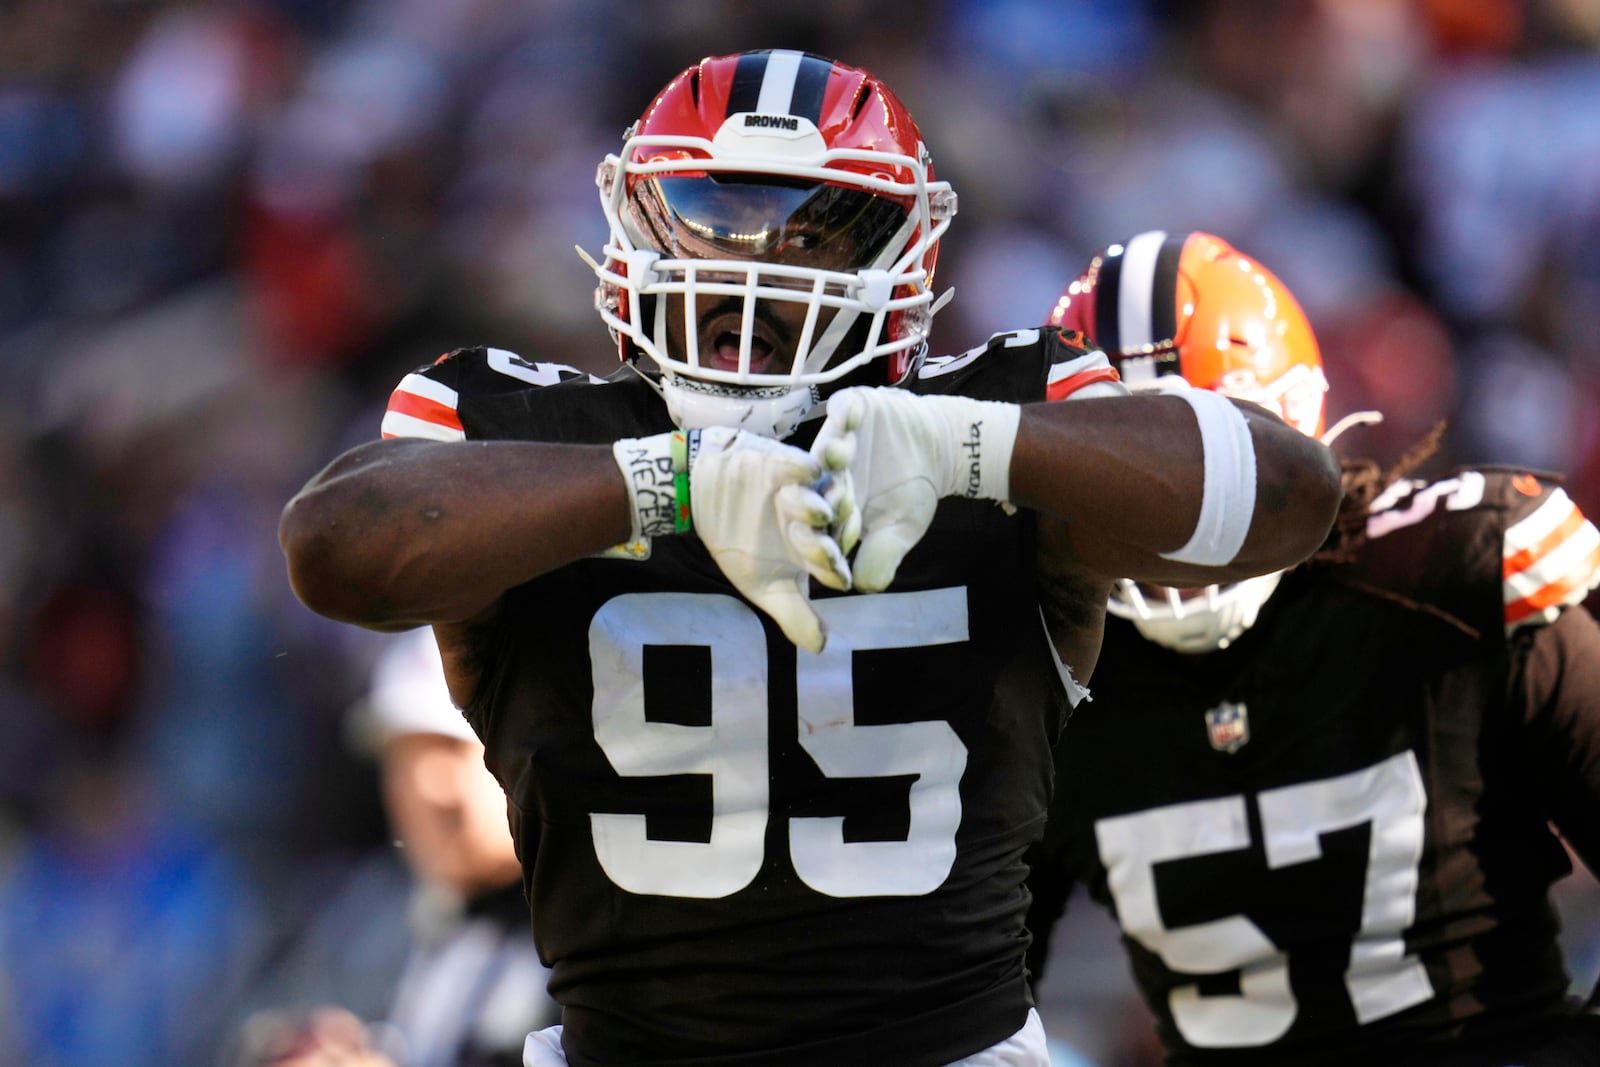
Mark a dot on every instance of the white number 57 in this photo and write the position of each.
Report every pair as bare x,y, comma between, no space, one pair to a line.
1380,978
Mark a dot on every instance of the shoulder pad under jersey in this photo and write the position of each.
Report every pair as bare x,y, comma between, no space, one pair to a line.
1072,369
427,402
1501,548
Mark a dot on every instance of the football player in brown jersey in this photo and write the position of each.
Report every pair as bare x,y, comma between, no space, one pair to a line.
1339,847
751,628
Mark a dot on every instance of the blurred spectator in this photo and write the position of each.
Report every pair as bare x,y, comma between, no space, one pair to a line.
471,988
324,1037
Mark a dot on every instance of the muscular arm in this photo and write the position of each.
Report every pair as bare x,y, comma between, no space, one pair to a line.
397,533
1125,475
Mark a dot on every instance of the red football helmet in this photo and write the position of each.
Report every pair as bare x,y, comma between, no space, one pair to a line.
1190,311
771,176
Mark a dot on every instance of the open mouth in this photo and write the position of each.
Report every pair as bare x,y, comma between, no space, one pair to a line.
720,338
725,352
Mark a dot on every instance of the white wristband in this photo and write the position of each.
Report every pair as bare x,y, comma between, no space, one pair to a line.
647,468
983,432
1228,496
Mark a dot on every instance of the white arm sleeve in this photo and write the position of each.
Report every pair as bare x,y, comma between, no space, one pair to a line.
1228,499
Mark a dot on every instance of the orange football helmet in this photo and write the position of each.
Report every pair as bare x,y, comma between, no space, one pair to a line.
1178,311
1193,305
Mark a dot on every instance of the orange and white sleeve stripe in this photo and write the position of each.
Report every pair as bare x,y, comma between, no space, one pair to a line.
1087,376
422,407
1552,560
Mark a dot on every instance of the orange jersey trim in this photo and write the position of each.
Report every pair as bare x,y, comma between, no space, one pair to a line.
420,407
1556,592
1073,382
1521,561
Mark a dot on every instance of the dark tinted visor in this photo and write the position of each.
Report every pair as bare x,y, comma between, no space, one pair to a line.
779,220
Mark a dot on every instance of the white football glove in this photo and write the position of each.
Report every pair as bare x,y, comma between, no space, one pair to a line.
896,454
758,507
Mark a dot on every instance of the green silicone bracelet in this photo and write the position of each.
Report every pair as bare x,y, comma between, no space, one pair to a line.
682,520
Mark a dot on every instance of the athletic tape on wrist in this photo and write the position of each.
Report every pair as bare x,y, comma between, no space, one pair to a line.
647,469
1228,496
985,436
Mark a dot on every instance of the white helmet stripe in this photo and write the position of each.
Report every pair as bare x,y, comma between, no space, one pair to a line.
777,85
1135,289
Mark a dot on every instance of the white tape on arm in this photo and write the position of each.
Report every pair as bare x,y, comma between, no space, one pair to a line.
1228,497
983,436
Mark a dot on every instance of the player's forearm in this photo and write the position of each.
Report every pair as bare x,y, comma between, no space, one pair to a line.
398,533
1128,475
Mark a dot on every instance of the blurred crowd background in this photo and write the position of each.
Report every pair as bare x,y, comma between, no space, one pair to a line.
227,228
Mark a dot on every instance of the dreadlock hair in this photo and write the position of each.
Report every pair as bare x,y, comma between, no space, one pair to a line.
1363,482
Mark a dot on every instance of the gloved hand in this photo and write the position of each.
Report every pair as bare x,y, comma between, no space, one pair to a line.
895,455
758,507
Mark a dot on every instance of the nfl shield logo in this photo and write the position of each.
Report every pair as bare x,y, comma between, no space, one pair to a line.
1228,726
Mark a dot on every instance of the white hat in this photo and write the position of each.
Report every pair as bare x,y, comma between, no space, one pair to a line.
408,695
